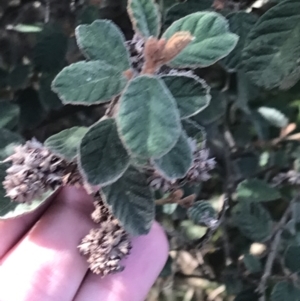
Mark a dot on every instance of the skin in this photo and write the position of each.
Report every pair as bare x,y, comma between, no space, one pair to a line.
39,259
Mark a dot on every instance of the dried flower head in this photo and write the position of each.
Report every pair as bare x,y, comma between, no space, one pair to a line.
136,50
107,245
34,170
199,171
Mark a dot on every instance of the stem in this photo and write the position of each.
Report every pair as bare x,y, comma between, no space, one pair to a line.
273,252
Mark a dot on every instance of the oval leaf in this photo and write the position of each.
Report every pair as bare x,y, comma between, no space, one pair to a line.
148,119
270,56
191,93
257,190
145,17
212,39
177,162
66,142
203,213
8,141
88,83
273,116
103,41
291,258
252,263
240,23
103,157
131,201
253,220
285,290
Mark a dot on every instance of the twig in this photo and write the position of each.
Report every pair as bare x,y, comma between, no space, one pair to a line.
110,110
273,252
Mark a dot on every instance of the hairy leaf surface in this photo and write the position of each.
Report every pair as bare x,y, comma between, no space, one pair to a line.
88,83
145,17
103,157
148,119
212,39
131,201
191,94
104,42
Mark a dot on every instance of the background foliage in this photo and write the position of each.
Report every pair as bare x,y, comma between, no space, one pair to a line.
242,236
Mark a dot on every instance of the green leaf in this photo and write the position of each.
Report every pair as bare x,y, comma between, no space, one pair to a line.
291,258
203,213
8,141
51,48
103,157
25,28
214,111
183,9
104,42
66,142
9,114
285,291
253,220
240,23
191,93
257,191
270,58
252,263
48,98
131,201
177,162
88,83
19,77
273,116
212,39
148,119
145,17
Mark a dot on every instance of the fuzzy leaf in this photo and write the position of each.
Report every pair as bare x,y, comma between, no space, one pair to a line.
252,263
177,162
247,295
274,117
253,220
191,94
214,111
257,191
88,14
145,17
103,157
203,213
51,48
131,201
66,142
9,114
104,42
88,83
284,291
212,39
291,258
183,9
149,104
270,56
240,23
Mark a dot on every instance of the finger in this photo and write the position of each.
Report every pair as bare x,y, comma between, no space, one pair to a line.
147,258
12,230
46,264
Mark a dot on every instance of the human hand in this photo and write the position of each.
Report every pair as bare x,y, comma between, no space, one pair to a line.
39,260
